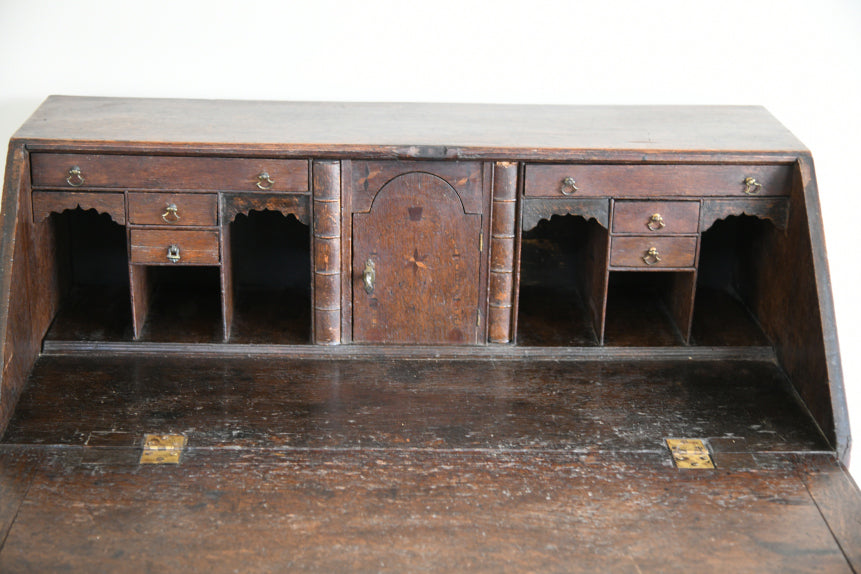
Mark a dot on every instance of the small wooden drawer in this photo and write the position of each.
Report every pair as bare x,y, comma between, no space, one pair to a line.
179,209
632,181
647,252
95,171
656,217
174,247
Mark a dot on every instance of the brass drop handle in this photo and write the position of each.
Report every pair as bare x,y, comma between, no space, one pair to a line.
652,256
171,213
369,276
656,222
569,186
173,254
264,182
751,186
75,178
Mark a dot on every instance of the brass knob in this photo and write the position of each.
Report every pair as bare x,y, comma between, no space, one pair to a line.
369,276
173,254
652,256
75,179
655,222
264,182
171,213
569,186
751,186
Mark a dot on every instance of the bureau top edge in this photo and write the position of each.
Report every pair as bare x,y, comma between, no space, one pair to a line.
407,130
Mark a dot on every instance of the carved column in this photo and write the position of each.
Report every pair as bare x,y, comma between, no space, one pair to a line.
327,252
502,252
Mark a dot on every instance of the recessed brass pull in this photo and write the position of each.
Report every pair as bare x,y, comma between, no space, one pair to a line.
173,254
569,186
369,275
656,222
652,256
264,182
751,186
171,213
75,178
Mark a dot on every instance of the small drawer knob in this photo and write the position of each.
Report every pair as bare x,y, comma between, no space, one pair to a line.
173,254
751,186
75,177
569,186
652,256
264,182
171,213
656,222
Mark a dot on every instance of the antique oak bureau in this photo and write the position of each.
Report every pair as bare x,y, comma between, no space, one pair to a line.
478,235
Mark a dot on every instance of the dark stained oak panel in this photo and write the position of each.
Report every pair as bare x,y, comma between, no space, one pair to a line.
158,209
416,265
631,181
150,246
163,172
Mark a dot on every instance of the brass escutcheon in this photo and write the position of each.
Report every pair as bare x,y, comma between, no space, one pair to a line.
652,256
264,182
171,213
751,186
173,253
75,174
569,186
655,222
369,275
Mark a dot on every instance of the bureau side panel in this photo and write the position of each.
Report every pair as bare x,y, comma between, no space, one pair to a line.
28,281
796,310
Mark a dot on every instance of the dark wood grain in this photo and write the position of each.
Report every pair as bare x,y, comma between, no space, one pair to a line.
775,209
47,202
424,247
838,499
674,252
656,180
534,210
435,131
387,511
196,247
191,209
272,403
327,252
678,217
169,173
369,177
502,236
234,204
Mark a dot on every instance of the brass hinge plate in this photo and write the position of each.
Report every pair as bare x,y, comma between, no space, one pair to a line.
162,448
690,453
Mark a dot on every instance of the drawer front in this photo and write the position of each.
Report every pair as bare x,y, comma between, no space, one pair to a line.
173,209
174,246
164,172
631,181
653,252
656,217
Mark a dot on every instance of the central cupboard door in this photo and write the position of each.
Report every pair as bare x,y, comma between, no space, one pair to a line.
417,264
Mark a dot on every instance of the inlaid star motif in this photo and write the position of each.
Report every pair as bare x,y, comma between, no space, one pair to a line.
417,261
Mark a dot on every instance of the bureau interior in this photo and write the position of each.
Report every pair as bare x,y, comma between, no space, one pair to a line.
266,295
569,295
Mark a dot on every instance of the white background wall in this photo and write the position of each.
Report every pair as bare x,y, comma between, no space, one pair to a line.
800,59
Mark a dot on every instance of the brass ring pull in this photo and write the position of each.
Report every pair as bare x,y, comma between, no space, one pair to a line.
751,186
171,213
569,186
369,275
652,256
264,182
173,254
655,222
75,179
